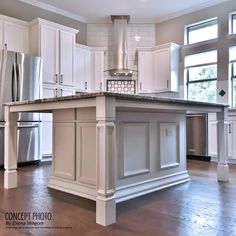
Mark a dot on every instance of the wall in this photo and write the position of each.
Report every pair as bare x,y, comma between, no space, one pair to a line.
173,31
23,11
100,35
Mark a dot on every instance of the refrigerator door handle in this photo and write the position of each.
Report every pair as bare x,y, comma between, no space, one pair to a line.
14,83
18,79
28,126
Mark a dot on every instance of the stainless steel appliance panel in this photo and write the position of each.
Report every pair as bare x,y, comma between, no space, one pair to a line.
29,82
197,134
28,142
7,80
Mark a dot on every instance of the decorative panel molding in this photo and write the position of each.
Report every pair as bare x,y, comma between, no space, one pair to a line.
64,150
86,153
134,149
169,145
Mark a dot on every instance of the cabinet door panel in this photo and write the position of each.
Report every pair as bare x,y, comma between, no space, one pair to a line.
145,71
16,37
50,54
98,71
67,47
64,150
1,35
161,69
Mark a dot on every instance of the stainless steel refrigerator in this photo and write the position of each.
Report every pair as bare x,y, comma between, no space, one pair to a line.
20,79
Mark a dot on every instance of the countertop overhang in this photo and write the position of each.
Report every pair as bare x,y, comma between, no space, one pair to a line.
129,97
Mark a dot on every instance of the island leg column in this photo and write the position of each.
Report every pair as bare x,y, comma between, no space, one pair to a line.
10,149
105,201
222,146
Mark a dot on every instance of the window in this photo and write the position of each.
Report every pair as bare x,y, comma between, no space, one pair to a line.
232,60
201,75
232,20
201,31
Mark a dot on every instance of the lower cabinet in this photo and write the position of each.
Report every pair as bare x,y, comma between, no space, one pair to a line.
212,136
74,141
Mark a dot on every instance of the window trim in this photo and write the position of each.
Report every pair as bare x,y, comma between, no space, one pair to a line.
231,19
198,25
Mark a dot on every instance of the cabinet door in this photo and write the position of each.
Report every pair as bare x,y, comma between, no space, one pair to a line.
162,70
230,139
145,71
80,69
98,71
16,37
50,54
67,48
212,138
47,124
1,35
66,91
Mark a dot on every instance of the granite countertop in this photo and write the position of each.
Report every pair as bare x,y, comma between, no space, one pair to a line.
136,97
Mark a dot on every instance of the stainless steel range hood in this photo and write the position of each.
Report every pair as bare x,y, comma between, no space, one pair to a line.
120,46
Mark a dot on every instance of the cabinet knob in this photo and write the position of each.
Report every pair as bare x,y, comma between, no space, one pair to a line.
56,92
230,129
86,85
61,92
5,46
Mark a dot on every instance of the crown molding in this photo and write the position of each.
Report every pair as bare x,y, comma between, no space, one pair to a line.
55,10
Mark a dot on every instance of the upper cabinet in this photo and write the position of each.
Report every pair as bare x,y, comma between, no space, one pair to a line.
158,68
89,68
83,67
56,45
14,34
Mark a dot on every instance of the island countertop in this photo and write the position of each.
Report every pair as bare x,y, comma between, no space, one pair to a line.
140,98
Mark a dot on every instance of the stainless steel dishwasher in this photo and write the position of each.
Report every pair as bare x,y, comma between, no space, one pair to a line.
197,136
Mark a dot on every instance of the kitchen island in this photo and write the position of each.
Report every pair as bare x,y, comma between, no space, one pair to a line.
111,147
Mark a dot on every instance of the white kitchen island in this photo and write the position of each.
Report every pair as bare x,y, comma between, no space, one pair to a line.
111,147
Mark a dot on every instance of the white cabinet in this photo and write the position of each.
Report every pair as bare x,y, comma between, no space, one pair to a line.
89,68
158,68
56,45
83,68
212,136
145,71
98,69
14,34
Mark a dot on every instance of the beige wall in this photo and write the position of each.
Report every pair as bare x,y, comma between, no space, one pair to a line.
23,11
173,30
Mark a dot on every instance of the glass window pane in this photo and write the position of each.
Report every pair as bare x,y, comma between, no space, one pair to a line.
234,69
201,58
202,72
203,31
234,24
202,91
232,53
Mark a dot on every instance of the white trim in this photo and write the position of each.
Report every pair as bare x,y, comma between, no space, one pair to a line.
13,20
141,188
55,10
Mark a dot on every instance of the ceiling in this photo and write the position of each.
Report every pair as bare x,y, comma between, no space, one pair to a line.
142,11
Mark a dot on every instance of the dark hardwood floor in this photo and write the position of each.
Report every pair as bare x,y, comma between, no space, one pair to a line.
202,207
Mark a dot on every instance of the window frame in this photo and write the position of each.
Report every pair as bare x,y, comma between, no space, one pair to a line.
232,17
186,68
199,25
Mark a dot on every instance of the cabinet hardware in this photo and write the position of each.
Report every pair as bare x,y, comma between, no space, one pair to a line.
5,45
61,93
140,86
56,92
167,83
56,78
101,86
230,129
86,85
61,80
